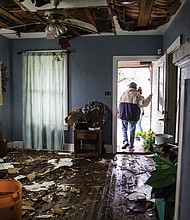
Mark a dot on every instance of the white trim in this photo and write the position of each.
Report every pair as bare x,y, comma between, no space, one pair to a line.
171,49
46,51
114,105
19,145
108,148
66,106
15,144
69,147
181,58
176,44
114,100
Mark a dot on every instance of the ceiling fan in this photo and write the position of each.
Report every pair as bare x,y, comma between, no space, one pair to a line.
57,21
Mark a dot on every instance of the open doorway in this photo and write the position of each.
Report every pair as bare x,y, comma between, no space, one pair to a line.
140,73
125,70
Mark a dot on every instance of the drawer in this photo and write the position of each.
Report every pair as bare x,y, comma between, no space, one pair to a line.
86,135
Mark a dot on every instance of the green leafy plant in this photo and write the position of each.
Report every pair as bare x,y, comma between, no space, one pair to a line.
163,181
149,139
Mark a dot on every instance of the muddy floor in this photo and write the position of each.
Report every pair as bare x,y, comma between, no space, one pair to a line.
56,185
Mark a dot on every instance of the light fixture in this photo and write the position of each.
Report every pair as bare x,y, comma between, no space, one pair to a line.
55,29
126,2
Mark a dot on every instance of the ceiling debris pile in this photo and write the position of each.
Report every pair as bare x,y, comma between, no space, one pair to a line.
54,183
126,191
67,19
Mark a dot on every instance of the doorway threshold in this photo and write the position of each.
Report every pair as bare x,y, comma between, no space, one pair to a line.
138,153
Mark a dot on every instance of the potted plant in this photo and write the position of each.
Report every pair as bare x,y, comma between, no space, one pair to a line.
149,139
163,182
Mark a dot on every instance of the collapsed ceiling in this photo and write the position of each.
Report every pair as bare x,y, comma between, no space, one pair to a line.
81,17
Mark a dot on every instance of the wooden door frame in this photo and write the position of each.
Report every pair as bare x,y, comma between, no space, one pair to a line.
181,58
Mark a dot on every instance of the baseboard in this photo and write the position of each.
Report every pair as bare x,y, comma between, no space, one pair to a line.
108,148
19,145
67,147
15,144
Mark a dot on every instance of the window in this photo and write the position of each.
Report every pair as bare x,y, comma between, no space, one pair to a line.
45,99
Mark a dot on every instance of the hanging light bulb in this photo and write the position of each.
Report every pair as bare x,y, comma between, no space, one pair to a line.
127,2
55,29
50,31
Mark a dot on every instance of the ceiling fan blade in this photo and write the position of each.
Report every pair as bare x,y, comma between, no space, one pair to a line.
82,3
24,25
7,31
81,25
66,4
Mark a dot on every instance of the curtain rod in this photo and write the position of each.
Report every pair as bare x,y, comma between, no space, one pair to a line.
20,51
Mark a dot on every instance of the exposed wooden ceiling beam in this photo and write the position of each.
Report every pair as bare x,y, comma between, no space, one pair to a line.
10,16
145,12
74,31
112,21
173,8
16,11
39,18
21,5
3,25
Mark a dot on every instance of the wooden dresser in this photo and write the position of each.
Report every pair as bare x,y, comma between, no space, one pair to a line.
88,143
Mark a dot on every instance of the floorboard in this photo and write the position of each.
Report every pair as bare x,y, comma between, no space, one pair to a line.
89,189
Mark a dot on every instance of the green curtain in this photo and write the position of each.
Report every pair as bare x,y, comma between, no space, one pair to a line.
43,100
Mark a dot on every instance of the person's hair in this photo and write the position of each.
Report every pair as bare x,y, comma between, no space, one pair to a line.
133,85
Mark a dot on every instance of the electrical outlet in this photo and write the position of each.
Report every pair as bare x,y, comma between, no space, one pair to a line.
108,93
159,51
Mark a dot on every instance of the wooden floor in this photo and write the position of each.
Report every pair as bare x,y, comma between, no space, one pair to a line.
125,195
106,188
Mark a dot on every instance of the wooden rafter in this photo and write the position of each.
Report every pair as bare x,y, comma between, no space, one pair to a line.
3,25
112,21
145,12
174,7
39,18
10,16
74,31
21,5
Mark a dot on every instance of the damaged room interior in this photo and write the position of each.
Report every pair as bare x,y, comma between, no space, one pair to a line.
68,70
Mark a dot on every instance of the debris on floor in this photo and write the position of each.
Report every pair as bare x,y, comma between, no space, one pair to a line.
126,196
55,184
58,186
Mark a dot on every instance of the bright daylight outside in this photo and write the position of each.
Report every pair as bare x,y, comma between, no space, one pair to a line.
141,76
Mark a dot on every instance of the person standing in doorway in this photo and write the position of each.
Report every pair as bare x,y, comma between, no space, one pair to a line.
139,123
129,112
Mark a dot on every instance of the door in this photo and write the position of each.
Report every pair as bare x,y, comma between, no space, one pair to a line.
183,180
165,84
159,97
182,60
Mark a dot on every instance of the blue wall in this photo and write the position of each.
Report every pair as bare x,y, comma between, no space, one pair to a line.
90,68
90,71
179,26
6,109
